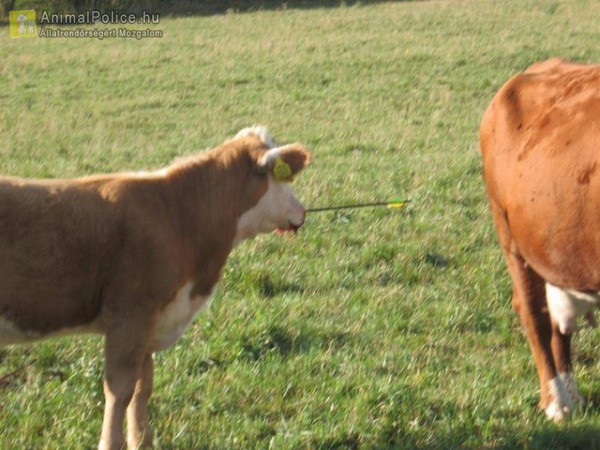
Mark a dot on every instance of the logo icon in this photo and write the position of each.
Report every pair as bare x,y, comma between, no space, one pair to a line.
22,23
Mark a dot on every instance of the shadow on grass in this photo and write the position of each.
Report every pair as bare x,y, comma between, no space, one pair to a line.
559,437
441,423
280,341
270,287
273,341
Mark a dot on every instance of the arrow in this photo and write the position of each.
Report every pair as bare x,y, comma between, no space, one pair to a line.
398,203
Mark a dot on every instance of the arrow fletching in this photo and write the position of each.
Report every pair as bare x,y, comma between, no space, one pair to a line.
397,203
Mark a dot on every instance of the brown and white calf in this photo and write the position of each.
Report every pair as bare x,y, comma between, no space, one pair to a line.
135,256
540,140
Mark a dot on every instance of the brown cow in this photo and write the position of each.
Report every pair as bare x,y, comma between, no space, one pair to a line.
134,256
540,140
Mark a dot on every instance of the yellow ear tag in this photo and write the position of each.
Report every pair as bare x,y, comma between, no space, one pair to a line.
282,171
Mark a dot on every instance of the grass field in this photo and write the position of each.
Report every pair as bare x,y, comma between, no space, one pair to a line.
371,329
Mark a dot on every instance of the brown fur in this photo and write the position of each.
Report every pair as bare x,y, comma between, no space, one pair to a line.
67,243
540,140
113,250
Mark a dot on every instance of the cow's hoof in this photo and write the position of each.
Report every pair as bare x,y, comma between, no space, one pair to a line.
557,412
561,405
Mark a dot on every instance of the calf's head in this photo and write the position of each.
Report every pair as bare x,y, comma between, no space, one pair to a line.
273,205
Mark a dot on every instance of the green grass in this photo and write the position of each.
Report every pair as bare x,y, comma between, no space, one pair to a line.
349,335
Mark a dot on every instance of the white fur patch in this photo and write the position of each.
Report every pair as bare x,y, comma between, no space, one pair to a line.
278,208
260,131
561,405
565,305
270,156
176,317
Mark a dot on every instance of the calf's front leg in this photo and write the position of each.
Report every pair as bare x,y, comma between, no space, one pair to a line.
124,356
139,433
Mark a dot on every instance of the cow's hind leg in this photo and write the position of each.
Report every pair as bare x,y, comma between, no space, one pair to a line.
561,349
139,433
563,325
529,300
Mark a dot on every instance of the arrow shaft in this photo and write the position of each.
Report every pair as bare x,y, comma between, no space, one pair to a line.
355,205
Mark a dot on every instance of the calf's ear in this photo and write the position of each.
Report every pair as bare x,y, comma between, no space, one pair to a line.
285,162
